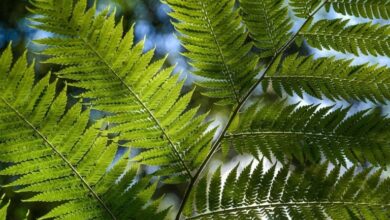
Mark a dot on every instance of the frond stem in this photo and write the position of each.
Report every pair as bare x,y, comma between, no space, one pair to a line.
236,110
254,133
74,170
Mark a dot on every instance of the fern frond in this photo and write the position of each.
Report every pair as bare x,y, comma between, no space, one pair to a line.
303,8
148,111
330,78
296,194
311,133
212,33
56,156
365,38
268,24
379,9
3,207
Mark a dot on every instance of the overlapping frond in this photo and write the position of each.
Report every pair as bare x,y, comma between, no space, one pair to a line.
364,38
147,109
330,78
268,24
378,9
3,207
56,156
215,40
303,8
295,194
311,133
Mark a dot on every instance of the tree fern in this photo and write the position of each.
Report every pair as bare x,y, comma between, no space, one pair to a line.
212,33
55,154
268,24
365,38
330,78
285,194
148,110
57,157
310,133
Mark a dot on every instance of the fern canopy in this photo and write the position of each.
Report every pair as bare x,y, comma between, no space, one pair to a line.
143,99
57,156
215,40
330,78
284,194
268,24
310,133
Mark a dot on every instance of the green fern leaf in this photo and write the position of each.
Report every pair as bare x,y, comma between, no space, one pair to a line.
57,156
330,78
148,111
378,9
268,24
296,194
311,133
216,44
3,208
303,8
365,38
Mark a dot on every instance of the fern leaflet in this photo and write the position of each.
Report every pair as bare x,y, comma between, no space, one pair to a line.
379,9
303,8
268,24
57,157
212,33
285,194
3,208
330,78
148,110
310,133
365,38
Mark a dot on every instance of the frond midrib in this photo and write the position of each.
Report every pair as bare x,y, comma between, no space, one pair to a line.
281,204
139,100
223,59
296,133
358,3
270,28
67,162
349,36
323,77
